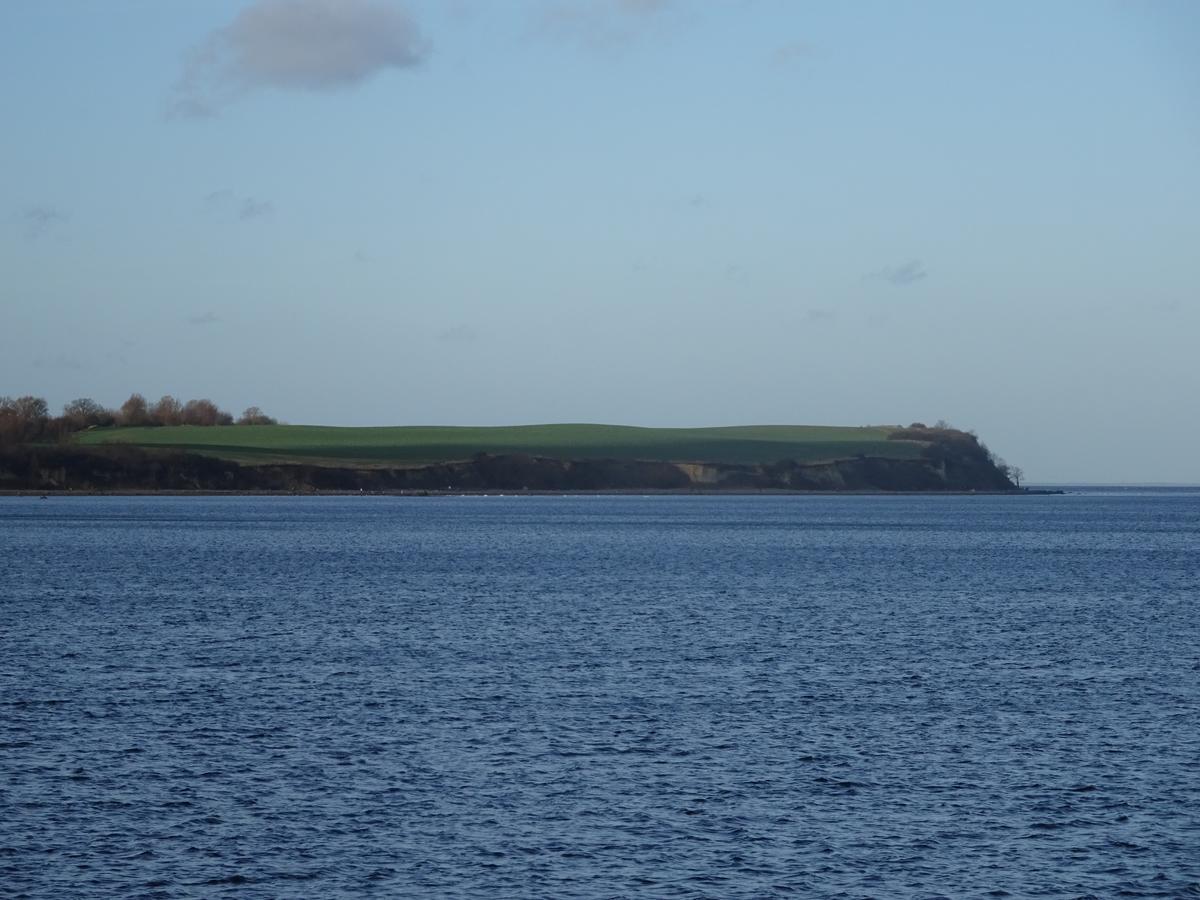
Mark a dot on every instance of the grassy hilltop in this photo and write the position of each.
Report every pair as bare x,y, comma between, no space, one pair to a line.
423,445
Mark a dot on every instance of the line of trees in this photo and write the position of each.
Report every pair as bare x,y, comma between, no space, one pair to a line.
27,419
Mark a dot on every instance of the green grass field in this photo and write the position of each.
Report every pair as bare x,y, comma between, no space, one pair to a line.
415,445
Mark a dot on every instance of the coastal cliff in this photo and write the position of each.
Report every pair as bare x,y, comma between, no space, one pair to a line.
941,467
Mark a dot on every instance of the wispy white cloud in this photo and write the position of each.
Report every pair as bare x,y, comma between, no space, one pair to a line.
298,45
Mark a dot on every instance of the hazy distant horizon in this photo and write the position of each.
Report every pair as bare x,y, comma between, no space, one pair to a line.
657,213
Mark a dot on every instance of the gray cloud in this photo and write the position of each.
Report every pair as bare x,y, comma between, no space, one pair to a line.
299,45
208,317
791,54
38,220
642,6
459,334
818,314
601,24
252,209
61,361
228,205
903,274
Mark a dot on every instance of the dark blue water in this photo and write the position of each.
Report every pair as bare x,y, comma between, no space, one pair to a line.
717,697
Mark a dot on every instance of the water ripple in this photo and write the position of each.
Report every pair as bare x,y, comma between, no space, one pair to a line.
600,697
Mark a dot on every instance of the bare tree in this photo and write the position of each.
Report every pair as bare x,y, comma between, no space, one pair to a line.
255,416
199,412
135,411
1017,474
9,423
23,419
167,411
86,413
32,409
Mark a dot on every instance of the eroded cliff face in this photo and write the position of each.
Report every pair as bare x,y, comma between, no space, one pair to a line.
132,469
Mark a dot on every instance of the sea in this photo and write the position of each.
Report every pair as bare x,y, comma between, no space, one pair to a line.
601,696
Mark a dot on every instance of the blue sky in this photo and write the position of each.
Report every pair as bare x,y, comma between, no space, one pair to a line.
648,212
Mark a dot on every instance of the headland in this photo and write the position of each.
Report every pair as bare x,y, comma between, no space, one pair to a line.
269,458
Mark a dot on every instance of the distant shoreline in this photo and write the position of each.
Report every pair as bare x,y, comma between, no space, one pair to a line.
550,459
614,492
